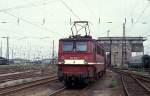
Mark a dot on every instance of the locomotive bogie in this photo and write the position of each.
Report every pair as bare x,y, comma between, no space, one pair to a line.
79,74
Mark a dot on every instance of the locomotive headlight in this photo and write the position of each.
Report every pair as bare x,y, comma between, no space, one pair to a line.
63,62
85,62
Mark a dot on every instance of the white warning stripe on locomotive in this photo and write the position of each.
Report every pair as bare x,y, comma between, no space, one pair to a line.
74,61
97,63
80,62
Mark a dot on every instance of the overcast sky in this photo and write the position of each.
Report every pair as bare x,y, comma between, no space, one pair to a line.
32,25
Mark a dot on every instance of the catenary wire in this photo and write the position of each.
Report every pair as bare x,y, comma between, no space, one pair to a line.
65,4
139,17
26,6
36,25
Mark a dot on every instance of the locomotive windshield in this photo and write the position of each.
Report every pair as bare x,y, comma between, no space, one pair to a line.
75,46
68,46
81,46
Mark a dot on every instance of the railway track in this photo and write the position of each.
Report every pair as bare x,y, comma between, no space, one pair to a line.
16,76
57,92
18,87
134,84
132,87
144,70
22,75
70,92
67,92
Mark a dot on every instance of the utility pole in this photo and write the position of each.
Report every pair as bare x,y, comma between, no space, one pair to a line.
12,54
110,51
124,53
53,53
7,50
108,31
1,48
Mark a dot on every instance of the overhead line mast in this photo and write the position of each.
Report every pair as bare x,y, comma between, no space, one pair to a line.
124,50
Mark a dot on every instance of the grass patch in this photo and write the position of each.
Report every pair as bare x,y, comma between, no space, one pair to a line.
113,84
141,71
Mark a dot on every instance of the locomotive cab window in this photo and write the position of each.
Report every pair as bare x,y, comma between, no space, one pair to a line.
81,46
68,46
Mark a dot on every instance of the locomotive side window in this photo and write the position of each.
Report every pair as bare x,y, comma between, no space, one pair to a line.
98,50
68,46
81,46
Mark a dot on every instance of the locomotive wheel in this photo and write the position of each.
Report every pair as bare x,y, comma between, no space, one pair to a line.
104,72
87,81
100,74
68,84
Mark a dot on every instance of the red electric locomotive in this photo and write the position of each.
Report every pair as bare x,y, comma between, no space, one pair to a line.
81,58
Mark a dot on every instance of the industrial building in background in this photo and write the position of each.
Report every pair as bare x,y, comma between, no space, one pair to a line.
114,48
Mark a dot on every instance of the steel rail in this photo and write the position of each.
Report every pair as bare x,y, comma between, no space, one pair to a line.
136,78
56,92
14,88
59,91
130,92
124,86
142,85
124,72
